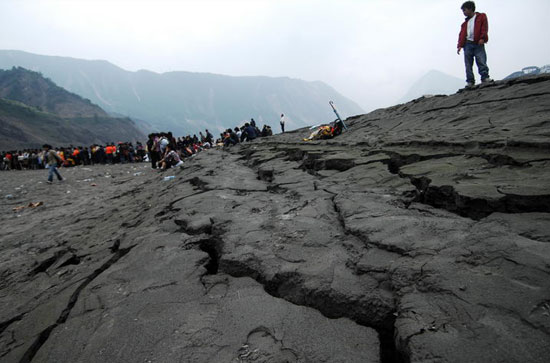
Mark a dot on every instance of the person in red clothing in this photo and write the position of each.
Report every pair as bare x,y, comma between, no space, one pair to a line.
472,38
109,152
76,156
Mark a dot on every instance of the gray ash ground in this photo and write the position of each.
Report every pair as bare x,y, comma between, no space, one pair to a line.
422,234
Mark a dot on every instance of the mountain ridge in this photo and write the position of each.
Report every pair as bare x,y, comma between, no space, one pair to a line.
32,89
34,110
529,70
187,102
432,83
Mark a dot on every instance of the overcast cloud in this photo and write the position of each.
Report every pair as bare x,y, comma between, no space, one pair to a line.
371,51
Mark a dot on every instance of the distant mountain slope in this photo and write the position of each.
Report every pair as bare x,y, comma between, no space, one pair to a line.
186,102
54,115
32,89
432,83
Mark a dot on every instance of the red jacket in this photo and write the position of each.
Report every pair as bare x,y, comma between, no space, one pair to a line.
481,30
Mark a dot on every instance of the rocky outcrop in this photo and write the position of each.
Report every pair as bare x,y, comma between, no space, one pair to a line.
421,234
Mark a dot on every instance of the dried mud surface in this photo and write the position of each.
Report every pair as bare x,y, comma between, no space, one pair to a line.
422,234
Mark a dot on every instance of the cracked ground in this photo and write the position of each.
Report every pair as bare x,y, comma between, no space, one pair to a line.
422,234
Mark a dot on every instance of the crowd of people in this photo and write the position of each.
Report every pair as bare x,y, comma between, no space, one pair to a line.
165,151
32,159
162,150
248,132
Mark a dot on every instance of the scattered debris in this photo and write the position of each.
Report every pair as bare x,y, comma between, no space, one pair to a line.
30,205
247,354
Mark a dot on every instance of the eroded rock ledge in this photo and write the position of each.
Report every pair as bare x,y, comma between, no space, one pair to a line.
421,234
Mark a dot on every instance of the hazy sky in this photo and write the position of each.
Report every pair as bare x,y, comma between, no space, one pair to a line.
370,50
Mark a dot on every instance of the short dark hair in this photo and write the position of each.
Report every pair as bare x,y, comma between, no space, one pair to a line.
469,5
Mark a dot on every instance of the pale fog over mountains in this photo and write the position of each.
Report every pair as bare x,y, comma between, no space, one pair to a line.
438,83
185,102
434,82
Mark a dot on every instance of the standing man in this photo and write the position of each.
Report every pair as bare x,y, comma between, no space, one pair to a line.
283,123
209,137
473,36
52,159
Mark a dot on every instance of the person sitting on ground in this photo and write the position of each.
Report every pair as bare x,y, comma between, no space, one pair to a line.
230,138
249,133
171,159
266,131
326,131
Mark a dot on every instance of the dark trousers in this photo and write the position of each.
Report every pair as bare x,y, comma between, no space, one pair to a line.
52,171
154,158
475,51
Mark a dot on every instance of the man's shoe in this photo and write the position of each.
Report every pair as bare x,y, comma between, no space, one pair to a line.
470,84
49,181
487,80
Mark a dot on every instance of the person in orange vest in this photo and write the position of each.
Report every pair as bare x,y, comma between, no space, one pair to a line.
109,153
76,156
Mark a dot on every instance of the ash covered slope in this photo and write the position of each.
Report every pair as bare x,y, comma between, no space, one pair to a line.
427,223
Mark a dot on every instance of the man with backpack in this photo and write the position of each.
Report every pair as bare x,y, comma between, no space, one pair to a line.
52,160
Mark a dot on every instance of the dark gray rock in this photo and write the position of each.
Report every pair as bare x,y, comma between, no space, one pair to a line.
420,234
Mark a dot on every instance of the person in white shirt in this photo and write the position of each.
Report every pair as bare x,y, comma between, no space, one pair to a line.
473,36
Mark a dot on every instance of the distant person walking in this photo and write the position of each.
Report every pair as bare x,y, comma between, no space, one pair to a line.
472,37
282,122
53,160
